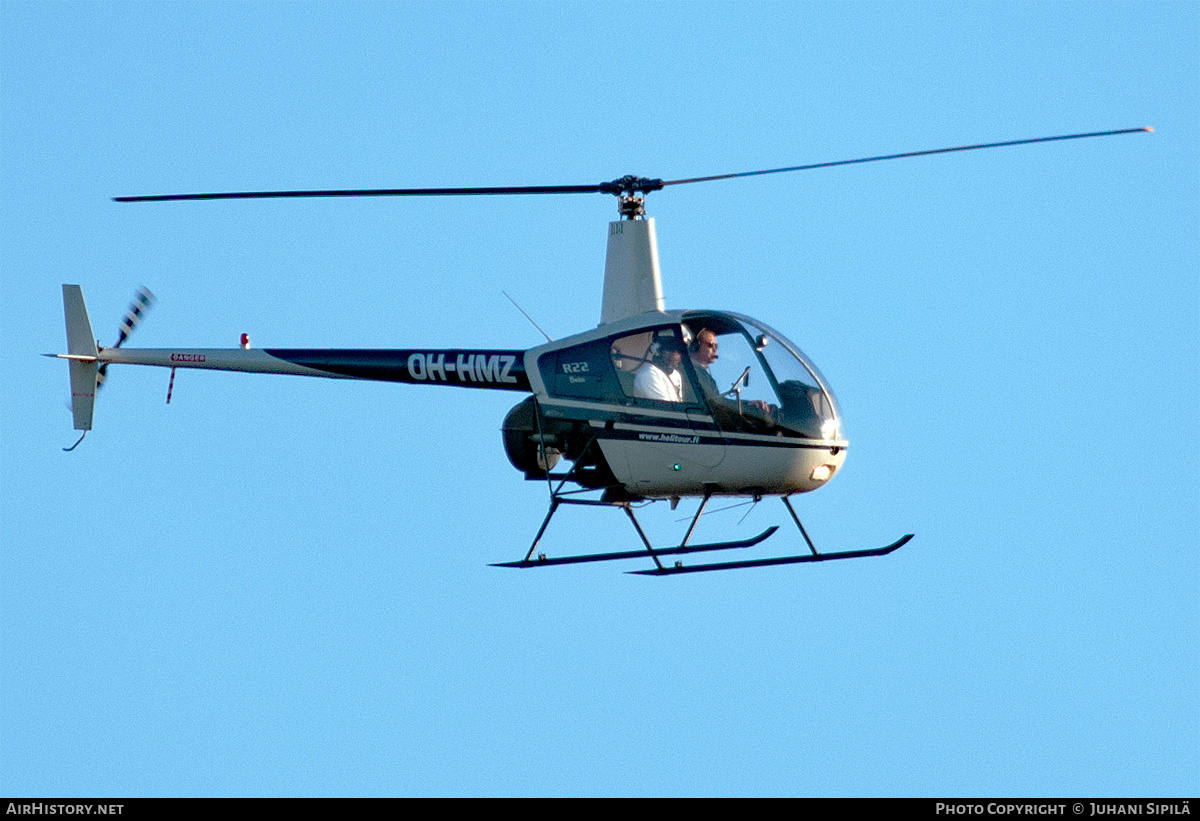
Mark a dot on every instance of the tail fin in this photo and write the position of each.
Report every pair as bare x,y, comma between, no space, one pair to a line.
81,348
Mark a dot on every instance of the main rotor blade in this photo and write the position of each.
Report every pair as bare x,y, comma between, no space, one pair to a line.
907,154
371,192
620,187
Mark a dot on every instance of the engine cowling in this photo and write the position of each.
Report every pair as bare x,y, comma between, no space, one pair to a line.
530,450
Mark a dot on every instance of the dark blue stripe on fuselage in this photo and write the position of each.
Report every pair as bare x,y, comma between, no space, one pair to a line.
491,369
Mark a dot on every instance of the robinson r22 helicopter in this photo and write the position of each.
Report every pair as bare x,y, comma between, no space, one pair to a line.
642,406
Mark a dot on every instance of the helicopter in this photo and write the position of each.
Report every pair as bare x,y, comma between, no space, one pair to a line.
652,404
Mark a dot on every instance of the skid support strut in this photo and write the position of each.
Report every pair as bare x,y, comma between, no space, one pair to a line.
814,556
558,498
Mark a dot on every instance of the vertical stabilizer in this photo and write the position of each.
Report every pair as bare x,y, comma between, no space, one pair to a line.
80,343
632,283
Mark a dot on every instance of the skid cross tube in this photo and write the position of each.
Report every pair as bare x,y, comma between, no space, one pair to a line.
638,528
555,501
803,532
556,493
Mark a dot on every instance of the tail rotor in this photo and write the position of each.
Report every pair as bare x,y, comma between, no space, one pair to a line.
143,300
83,355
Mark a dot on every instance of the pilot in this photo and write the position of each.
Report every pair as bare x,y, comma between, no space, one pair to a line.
660,378
703,351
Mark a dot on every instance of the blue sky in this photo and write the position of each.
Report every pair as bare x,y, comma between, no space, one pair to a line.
280,586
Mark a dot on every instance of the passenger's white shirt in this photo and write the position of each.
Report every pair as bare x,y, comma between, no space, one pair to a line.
652,382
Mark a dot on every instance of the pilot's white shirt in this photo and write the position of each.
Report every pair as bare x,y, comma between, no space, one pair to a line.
652,382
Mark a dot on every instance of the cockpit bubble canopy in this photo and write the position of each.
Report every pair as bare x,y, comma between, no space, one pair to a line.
758,383
763,381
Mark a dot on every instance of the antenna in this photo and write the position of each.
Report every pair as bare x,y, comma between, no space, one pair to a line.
527,316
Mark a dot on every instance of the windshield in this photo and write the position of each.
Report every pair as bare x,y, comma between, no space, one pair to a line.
756,381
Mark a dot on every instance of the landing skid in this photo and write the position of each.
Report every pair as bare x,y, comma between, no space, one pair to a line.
814,557
559,498
542,561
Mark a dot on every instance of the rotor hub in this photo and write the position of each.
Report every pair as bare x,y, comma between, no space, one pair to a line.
631,206
631,194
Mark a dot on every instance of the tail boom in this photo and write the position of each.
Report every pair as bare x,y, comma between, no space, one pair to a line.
489,369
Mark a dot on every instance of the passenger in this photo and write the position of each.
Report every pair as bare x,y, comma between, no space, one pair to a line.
660,377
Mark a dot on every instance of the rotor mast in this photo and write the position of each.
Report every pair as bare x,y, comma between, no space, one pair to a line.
632,277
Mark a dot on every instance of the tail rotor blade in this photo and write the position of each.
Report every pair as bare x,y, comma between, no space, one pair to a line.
142,302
